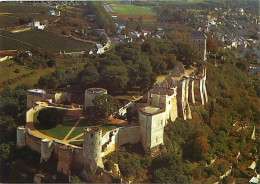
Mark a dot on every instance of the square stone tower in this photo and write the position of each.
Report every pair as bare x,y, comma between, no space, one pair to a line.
198,39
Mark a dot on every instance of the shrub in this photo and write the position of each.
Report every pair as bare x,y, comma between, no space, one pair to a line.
108,165
17,70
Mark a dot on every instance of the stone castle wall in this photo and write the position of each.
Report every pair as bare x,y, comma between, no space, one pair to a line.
33,142
64,159
113,139
128,135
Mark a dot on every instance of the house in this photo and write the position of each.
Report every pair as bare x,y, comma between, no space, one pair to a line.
36,24
53,6
99,32
55,13
98,49
91,17
254,180
198,39
114,17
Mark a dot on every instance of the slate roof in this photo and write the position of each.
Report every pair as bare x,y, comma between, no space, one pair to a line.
198,35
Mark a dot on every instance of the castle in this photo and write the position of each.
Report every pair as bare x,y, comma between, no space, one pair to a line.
168,99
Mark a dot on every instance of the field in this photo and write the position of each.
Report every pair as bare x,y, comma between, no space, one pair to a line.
125,9
25,76
41,39
15,7
8,21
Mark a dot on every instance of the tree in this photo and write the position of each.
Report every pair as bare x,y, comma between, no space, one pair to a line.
201,147
51,63
109,165
104,106
89,75
187,54
115,77
212,47
124,31
50,117
131,114
158,63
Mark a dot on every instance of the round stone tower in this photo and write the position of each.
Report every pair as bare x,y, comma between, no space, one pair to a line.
91,93
92,146
46,149
21,134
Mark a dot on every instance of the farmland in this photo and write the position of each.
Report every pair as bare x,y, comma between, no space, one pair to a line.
121,9
41,39
12,7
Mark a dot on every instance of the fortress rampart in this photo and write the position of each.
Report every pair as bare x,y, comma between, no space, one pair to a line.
166,100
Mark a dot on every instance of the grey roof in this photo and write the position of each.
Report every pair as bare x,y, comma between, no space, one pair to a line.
180,67
159,90
171,83
175,72
198,34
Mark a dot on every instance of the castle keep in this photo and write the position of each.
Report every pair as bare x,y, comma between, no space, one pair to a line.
168,99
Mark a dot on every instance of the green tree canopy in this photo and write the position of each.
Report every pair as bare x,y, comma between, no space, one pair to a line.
104,106
50,117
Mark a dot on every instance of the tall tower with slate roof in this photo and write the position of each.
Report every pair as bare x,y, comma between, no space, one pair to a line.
198,39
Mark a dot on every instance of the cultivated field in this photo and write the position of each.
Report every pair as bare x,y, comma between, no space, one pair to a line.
124,9
41,39
15,7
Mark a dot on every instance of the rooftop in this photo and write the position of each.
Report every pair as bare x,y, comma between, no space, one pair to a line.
96,90
39,91
150,110
198,34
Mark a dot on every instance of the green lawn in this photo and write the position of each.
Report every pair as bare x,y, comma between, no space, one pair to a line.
124,9
80,128
85,123
42,39
60,131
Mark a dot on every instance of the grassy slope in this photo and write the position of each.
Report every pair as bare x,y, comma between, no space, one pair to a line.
131,9
43,39
9,77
